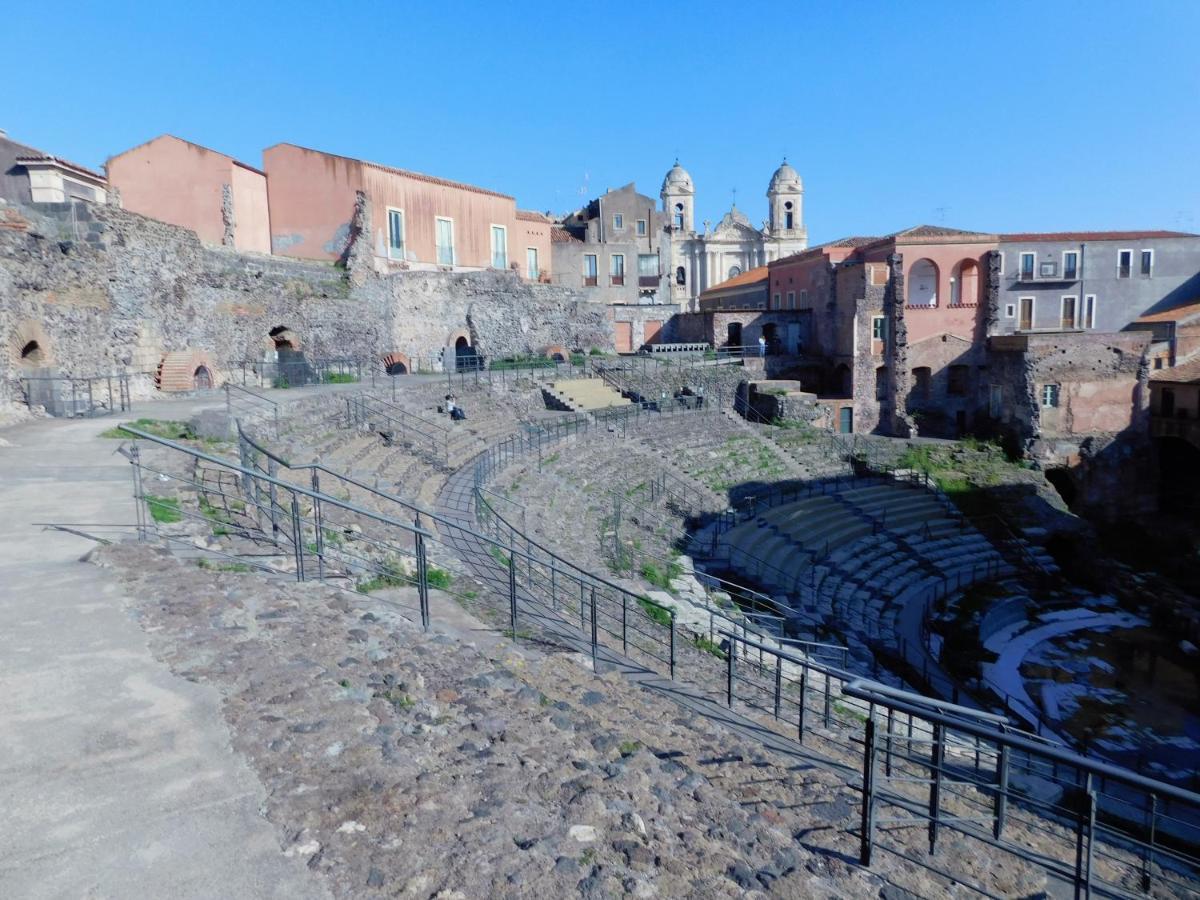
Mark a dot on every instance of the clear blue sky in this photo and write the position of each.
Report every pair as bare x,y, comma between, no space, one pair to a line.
990,116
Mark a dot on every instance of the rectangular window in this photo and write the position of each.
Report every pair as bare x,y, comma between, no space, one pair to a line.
678,219
791,300
1070,265
445,241
957,381
590,278
778,305
532,269
1049,396
396,234
648,265
499,247
995,400
618,222
1067,318
878,328
1027,262
1001,255
1147,262
804,298
1124,263
1010,310
1089,311
641,227
1025,321
617,268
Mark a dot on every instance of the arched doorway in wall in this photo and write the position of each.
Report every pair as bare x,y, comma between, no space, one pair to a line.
964,283
923,283
202,379
31,354
733,334
462,353
397,364
283,338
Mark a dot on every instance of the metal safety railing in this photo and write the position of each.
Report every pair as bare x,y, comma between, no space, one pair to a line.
324,533
243,403
83,396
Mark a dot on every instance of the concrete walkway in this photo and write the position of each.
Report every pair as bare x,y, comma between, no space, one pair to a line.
116,777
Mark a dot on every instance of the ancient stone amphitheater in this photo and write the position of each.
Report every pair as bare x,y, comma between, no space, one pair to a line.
640,650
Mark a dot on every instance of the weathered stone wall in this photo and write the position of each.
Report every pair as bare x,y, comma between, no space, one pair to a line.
105,290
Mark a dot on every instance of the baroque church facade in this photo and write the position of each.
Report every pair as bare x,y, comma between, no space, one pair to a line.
696,260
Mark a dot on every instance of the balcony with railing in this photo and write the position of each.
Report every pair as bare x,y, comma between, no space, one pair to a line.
1048,272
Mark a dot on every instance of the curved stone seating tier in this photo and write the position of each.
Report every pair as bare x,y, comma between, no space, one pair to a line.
853,559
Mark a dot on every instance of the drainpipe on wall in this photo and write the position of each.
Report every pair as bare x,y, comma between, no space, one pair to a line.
1082,291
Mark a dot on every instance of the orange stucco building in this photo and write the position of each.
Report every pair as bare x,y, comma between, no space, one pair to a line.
220,198
417,221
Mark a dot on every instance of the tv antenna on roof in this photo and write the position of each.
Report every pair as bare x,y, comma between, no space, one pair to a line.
941,214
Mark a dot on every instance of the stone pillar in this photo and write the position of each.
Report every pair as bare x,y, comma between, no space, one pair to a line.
359,255
896,352
227,219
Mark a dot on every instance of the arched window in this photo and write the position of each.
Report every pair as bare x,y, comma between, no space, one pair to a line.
735,271
923,283
964,283
787,215
922,379
680,276
678,217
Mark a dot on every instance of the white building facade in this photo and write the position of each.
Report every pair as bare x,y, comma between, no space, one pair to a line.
698,260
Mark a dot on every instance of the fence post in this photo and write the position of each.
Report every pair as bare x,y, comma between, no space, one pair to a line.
1001,791
139,497
1083,850
1151,828
423,577
624,621
512,590
273,470
672,645
297,538
867,825
320,535
887,757
729,672
778,682
803,702
936,756
595,639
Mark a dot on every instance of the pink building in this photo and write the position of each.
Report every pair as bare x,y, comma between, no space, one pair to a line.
417,221
220,198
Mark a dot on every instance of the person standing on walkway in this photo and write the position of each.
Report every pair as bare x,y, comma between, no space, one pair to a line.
762,345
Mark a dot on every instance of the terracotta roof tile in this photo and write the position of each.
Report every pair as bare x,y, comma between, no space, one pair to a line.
58,160
562,236
750,277
1092,236
526,215
1188,373
1174,314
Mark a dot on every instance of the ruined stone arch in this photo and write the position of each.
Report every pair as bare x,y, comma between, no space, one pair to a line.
557,352
31,348
186,370
281,337
397,364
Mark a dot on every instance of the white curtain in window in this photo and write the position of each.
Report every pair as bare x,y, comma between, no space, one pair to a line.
445,242
499,247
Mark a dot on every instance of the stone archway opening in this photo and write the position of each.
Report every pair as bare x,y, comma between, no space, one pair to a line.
32,354
465,357
397,364
1061,480
283,339
202,379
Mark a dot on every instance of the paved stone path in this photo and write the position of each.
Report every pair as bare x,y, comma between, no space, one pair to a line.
116,777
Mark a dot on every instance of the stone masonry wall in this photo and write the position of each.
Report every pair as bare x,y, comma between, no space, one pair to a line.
103,290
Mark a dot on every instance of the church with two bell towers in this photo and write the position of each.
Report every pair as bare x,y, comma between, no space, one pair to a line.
695,260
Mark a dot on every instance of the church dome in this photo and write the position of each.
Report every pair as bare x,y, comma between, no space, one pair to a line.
678,179
785,177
